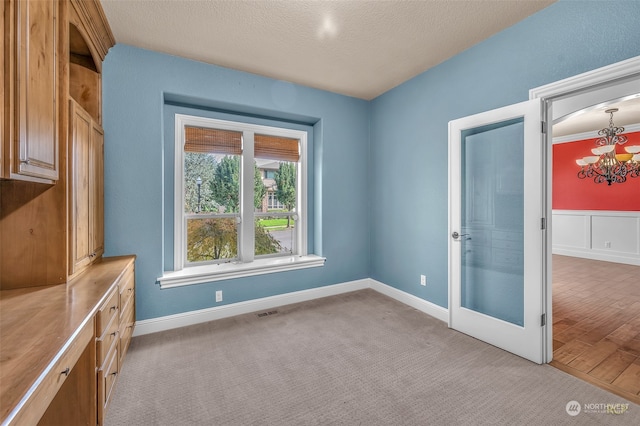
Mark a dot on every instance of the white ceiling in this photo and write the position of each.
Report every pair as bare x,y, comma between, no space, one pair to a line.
595,118
360,48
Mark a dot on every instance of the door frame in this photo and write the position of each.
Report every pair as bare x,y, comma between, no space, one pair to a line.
619,72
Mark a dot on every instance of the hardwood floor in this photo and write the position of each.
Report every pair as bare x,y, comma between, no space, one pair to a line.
596,323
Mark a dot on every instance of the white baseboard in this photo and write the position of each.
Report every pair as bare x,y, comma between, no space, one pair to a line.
210,314
436,311
597,255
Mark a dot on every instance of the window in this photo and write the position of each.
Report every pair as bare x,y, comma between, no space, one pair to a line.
273,203
240,201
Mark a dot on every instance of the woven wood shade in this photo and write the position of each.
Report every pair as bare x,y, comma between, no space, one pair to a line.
212,141
276,148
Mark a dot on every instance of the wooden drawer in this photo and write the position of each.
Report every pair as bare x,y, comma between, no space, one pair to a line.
107,312
127,290
126,331
106,341
106,379
39,400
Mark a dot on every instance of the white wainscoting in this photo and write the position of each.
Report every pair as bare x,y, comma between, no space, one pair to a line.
612,236
209,314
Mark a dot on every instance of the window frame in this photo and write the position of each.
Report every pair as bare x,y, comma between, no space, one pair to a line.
247,264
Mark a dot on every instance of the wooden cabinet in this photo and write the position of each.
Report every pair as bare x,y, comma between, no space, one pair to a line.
113,335
30,148
60,353
86,152
52,51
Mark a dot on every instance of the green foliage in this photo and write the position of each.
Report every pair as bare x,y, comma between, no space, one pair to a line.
197,165
285,178
265,242
280,222
259,190
211,239
225,186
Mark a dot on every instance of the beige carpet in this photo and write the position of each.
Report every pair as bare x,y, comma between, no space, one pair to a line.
354,359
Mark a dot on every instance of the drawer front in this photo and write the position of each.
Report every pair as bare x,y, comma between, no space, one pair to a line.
106,341
107,312
126,331
40,399
127,290
106,379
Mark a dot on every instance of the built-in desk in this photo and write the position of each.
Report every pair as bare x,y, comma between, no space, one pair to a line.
49,368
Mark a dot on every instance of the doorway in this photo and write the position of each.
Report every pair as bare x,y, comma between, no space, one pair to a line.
594,317
560,99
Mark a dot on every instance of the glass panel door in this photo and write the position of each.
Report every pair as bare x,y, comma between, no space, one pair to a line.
495,256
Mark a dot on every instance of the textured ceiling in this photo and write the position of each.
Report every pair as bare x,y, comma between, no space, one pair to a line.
360,48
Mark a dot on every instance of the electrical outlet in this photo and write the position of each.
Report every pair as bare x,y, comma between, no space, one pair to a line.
607,244
219,296
423,280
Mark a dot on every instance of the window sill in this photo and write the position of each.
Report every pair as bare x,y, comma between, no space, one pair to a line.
226,271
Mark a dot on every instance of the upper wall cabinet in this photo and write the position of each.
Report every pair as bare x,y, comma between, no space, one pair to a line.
30,132
89,40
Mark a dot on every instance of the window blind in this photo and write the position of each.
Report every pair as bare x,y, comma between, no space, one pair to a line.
276,148
212,141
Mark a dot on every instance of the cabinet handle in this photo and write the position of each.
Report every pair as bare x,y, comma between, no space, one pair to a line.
114,373
114,333
113,308
24,161
66,371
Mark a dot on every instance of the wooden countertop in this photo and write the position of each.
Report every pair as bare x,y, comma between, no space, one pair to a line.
39,323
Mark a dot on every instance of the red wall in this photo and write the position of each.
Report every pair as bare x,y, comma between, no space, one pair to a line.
571,193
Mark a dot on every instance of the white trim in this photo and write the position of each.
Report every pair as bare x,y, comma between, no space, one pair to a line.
551,93
218,312
600,255
169,322
598,212
225,271
245,228
431,309
588,79
591,135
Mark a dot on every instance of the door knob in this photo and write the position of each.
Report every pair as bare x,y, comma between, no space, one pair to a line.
455,235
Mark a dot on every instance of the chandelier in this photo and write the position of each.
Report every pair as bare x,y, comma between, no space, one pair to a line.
606,165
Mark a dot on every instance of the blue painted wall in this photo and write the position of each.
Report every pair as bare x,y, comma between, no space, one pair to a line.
409,216
138,83
381,181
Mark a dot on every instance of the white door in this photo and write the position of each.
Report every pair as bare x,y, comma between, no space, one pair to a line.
496,228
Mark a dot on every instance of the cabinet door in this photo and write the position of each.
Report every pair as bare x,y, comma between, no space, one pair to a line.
36,110
80,243
96,191
87,189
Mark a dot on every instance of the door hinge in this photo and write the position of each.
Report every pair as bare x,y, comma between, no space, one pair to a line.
543,320
543,223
